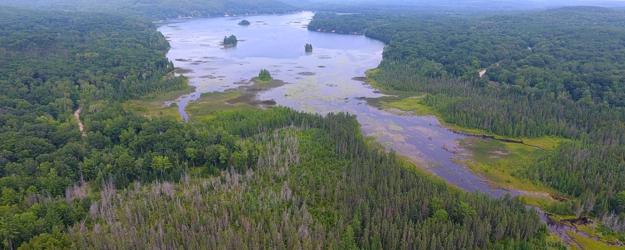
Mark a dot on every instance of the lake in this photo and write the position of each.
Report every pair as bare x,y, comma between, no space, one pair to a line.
318,82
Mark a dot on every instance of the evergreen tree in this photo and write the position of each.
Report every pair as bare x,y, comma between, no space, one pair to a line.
348,242
230,41
264,75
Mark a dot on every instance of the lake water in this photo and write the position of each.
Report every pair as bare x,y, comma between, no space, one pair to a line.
320,82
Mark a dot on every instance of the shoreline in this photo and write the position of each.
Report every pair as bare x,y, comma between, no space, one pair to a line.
163,21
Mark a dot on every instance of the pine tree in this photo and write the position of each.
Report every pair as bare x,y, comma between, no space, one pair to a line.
348,242
264,75
230,41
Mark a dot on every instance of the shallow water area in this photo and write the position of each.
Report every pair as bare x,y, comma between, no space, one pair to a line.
323,81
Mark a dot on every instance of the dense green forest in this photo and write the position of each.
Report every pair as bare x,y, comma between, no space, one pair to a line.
163,9
295,182
54,63
577,52
247,179
552,73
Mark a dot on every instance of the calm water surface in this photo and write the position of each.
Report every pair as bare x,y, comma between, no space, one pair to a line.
318,82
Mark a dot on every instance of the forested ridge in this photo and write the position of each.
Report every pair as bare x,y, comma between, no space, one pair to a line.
163,9
244,179
557,72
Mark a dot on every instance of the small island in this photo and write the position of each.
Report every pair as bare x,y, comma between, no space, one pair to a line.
264,75
230,41
308,47
244,22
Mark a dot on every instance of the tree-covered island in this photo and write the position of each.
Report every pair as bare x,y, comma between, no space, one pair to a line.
264,75
230,41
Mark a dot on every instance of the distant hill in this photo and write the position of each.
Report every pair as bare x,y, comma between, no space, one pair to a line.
397,6
162,9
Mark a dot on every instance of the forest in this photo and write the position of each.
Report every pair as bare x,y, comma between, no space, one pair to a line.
272,178
555,73
576,52
162,9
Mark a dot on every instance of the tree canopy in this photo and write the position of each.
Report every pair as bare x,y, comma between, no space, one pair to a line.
163,9
230,40
264,75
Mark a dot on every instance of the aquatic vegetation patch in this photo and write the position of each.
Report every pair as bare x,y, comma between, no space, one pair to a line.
302,89
396,128
587,243
183,71
360,79
210,103
305,107
376,134
424,130
342,60
412,104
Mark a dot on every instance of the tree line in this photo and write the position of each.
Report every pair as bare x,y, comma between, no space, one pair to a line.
162,9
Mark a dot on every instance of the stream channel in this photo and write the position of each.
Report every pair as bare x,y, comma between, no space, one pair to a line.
322,81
